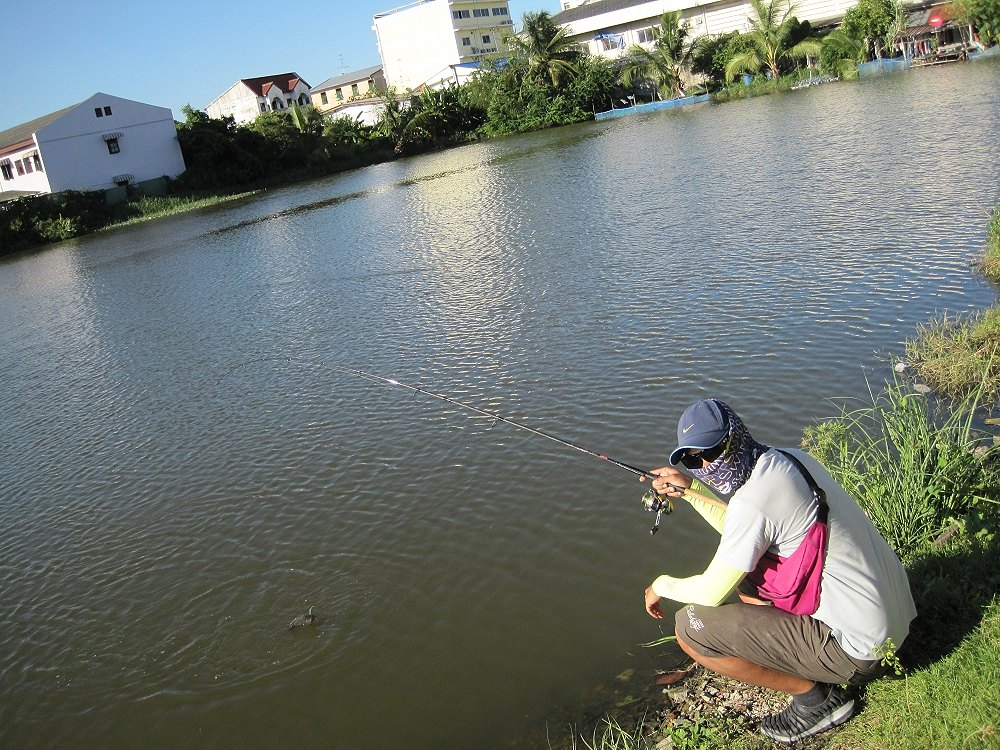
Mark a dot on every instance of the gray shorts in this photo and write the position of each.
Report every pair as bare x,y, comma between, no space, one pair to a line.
765,635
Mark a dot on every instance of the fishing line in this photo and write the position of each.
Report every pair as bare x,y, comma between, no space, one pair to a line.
651,500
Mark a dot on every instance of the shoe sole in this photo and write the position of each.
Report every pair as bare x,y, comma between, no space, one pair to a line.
837,718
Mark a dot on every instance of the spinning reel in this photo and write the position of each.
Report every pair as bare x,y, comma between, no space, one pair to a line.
658,504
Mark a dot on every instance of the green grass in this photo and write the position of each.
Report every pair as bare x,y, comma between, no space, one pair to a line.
954,357
148,207
952,704
915,466
990,263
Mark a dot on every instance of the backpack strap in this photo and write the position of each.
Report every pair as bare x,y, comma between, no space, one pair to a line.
817,491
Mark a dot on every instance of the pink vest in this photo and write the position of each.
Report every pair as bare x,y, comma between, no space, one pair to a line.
793,583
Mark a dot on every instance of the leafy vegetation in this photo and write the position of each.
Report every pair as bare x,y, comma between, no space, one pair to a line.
663,65
776,37
875,23
915,466
983,14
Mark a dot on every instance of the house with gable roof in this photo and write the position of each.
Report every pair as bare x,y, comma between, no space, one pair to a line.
356,95
101,143
248,98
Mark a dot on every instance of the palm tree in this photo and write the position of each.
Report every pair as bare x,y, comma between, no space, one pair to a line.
309,123
843,53
546,48
663,64
770,35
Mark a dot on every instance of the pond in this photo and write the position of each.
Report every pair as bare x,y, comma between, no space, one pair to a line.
183,474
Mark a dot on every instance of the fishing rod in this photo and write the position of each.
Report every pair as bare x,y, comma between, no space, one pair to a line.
651,501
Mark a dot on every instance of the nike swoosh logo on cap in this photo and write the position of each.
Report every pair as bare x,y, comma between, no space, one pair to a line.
687,428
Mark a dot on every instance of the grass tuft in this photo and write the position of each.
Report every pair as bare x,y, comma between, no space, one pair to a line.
955,357
990,264
914,466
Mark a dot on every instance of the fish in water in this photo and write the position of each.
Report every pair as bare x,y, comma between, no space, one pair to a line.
304,620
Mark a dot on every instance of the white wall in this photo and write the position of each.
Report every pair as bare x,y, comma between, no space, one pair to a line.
704,18
416,42
238,101
76,156
36,181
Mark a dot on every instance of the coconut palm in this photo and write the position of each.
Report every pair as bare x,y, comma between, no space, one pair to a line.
842,53
772,28
546,49
663,64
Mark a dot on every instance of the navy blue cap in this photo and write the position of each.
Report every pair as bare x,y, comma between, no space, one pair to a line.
702,425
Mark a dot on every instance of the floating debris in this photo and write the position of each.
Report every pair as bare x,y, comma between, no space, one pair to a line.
303,621
921,388
901,367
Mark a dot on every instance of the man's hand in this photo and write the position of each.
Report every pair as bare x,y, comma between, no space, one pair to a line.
653,604
668,480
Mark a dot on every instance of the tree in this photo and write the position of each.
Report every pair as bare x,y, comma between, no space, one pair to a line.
773,35
672,51
439,115
309,122
984,15
713,52
841,54
551,56
874,22
217,154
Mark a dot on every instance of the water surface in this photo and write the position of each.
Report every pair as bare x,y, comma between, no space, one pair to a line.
182,475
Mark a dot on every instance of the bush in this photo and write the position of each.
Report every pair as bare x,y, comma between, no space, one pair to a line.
913,465
57,228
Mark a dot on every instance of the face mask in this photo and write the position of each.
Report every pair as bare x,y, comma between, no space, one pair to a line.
730,471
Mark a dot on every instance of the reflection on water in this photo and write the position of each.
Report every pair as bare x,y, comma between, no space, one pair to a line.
168,513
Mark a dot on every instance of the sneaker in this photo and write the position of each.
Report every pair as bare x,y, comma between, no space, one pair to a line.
797,721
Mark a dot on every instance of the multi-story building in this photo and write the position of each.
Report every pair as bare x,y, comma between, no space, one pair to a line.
102,142
610,27
433,42
248,98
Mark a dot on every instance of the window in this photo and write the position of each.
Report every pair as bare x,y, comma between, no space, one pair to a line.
354,89
20,167
263,106
460,14
38,163
98,112
27,165
646,36
5,168
466,41
486,38
340,94
113,147
322,98
107,111
276,104
480,12
500,12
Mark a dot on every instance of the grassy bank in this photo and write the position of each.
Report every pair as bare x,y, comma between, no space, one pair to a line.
926,469
146,208
956,356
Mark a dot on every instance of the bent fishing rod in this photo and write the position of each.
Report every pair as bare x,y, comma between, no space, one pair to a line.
652,500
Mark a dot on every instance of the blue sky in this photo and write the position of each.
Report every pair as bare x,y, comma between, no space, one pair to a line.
59,52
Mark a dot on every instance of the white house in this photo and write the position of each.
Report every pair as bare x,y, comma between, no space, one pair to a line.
610,27
250,97
102,142
421,43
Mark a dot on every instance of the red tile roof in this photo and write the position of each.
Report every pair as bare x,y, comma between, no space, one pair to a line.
284,81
